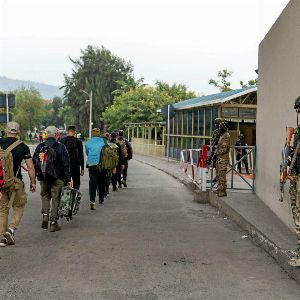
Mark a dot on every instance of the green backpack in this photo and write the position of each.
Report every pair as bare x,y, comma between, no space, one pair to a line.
109,156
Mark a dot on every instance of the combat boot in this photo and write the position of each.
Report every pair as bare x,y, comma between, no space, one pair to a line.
45,221
54,226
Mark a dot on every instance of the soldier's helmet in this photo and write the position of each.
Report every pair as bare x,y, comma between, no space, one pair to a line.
297,103
221,124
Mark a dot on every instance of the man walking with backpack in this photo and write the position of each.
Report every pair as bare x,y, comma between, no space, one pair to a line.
75,150
12,153
93,149
127,155
52,164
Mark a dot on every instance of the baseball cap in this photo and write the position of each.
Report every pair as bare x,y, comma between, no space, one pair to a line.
13,127
95,132
51,130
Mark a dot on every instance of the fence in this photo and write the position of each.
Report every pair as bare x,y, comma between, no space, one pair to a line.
193,164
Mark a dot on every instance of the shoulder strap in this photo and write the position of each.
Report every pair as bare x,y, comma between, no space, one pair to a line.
14,145
294,156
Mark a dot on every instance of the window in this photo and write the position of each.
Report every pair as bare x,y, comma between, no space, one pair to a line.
208,121
201,122
190,123
247,113
230,112
215,114
196,120
179,123
185,119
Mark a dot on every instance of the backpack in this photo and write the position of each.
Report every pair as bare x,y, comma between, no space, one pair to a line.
7,176
129,150
46,162
109,156
71,145
123,148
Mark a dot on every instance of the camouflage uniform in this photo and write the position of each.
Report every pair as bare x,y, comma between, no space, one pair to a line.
295,203
222,153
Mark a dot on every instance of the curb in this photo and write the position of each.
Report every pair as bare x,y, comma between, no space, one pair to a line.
278,254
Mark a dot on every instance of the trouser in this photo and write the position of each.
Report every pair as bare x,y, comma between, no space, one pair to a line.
107,182
97,181
116,177
221,169
245,162
75,174
18,207
51,191
295,203
124,171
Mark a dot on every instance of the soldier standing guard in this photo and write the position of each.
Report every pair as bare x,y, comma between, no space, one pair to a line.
222,154
294,191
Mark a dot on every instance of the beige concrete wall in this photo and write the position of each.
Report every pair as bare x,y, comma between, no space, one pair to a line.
278,87
148,147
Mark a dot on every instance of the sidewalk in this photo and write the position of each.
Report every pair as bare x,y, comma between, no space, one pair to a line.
245,209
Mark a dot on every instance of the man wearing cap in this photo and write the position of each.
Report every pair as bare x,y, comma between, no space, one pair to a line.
75,150
51,185
17,196
97,176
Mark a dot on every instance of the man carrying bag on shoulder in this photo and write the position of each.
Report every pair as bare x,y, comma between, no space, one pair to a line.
52,165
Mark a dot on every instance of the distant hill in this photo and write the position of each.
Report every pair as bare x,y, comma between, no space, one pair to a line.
47,91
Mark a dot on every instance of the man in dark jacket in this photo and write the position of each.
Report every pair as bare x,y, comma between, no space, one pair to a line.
240,152
52,165
116,176
75,150
127,155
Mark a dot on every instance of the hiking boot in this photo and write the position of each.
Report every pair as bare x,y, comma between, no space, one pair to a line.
45,221
54,227
92,206
10,236
3,242
124,183
222,194
294,261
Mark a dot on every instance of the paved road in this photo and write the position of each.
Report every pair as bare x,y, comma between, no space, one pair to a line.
149,241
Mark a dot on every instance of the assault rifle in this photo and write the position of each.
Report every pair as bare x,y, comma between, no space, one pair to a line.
214,142
286,159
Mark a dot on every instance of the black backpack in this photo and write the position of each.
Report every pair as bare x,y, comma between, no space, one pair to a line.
72,148
46,162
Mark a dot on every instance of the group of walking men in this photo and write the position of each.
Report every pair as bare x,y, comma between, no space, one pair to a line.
55,164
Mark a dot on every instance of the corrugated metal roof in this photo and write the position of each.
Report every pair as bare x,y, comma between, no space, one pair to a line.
214,98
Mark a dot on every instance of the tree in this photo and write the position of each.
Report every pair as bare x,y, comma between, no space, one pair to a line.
251,82
224,85
30,110
141,104
177,92
54,117
96,70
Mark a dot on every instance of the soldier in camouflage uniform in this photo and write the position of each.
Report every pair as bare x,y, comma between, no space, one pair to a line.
295,190
222,154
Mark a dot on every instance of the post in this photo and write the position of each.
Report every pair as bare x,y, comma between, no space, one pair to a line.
7,112
91,124
168,134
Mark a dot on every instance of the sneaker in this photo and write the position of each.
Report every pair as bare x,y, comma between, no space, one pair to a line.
54,227
45,221
101,200
120,186
10,236
115,189
124,183
92,206
3,242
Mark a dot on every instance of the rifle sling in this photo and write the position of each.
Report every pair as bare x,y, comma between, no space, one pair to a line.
294,157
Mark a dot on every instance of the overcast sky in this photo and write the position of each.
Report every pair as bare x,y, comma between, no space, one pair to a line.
182,41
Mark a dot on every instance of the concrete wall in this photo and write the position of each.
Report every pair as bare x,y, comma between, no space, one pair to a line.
278,87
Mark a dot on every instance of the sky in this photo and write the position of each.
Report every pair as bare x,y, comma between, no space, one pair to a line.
181,41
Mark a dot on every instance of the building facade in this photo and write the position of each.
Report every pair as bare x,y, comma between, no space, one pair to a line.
278,87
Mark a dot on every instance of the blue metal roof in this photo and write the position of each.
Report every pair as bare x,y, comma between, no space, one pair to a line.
213,99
